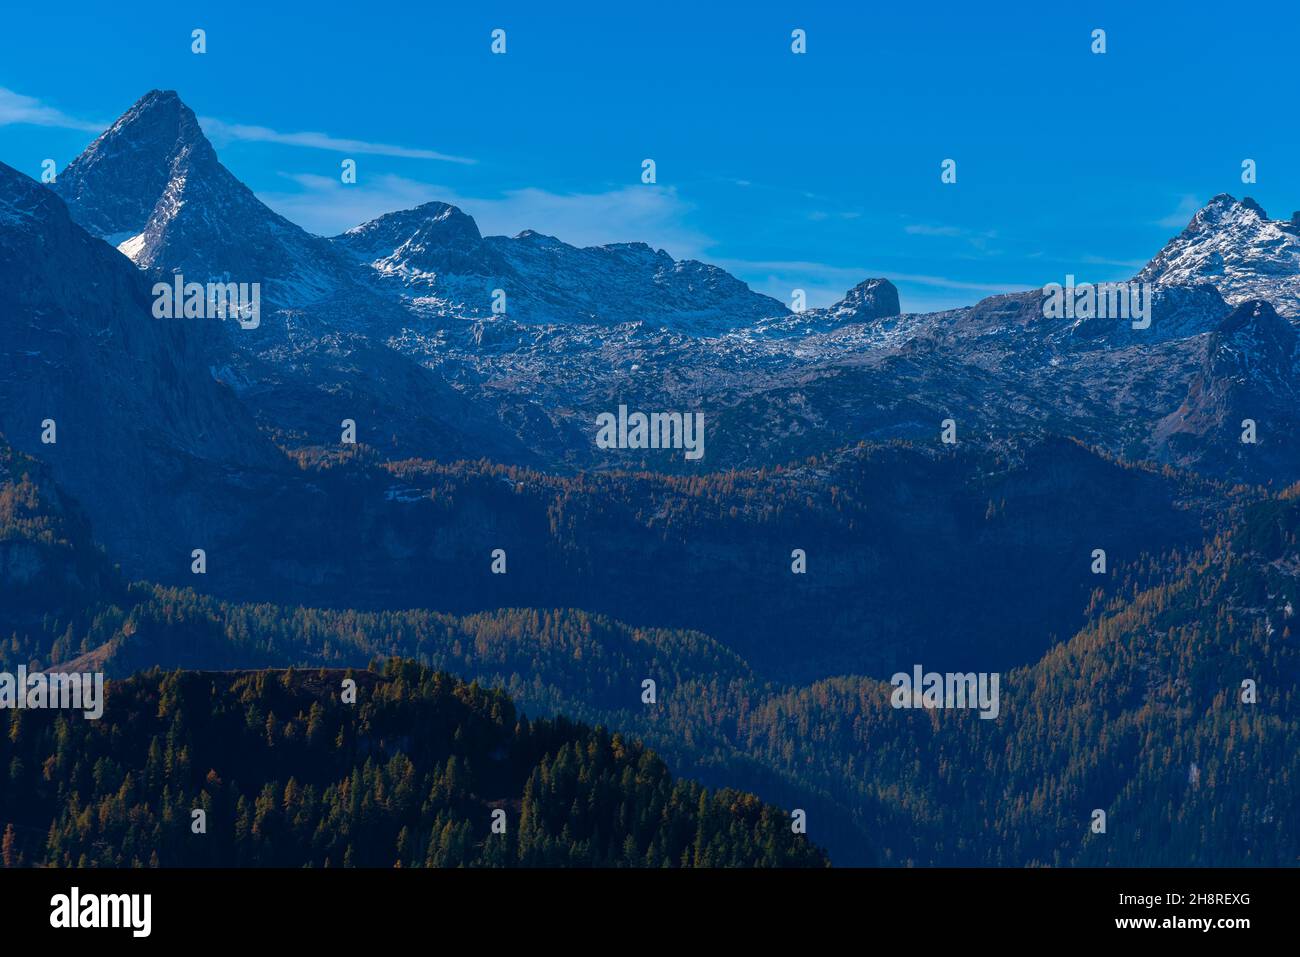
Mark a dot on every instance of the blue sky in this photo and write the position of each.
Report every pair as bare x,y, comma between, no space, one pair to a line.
812,171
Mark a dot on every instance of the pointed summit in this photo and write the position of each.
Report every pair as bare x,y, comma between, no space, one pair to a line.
1234,246
112,188
152,186
1226,208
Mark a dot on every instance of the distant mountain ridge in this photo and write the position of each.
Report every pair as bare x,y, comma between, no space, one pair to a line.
446,267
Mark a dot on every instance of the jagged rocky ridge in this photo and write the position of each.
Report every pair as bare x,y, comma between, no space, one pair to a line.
391,324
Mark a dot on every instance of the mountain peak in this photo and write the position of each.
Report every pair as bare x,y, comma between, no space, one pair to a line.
1226,204
112,187
156,101
436,222
869,299
440,211
1253,349
533,236
1233,245
155,107
420,244
152,186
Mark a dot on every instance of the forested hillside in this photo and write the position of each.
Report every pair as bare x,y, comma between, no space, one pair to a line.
1140,714
53,578
289,773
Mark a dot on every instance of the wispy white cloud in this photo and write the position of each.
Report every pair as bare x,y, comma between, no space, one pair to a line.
654,215
1122,263
978,239
221,132
924,229
820,215
16,108
1180,217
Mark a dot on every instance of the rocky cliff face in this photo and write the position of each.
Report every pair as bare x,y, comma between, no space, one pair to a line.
144,435
871,299
1243,405
318,355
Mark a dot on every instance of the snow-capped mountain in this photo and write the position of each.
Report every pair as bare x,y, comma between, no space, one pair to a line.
422,244
432,257
152,185
1233,245
313,360
392,323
